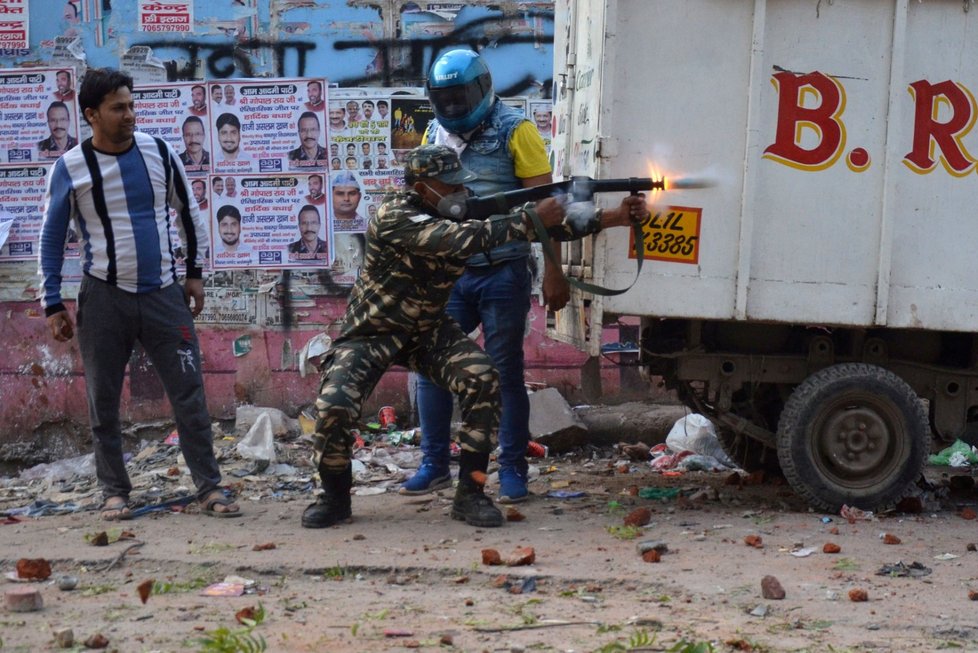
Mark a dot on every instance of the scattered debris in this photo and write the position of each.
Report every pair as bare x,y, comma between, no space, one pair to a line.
890,538
913,570
831,547
144,589
771,588
524,555
491,557
98,640
754,541
858,595
33,569
638,517
23,599
64,637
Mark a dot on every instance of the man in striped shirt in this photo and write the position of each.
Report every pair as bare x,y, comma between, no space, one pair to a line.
118,187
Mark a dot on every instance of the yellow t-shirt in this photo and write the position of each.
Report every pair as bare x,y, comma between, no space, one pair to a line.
528,150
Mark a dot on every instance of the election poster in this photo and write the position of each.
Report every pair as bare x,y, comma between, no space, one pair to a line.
177,113
166,16
269,221
38,114
22,201
14,22
268,126
541,113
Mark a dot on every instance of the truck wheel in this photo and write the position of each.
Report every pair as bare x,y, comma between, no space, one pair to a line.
853,434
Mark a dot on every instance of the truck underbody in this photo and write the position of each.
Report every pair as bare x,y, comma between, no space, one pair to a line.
846,413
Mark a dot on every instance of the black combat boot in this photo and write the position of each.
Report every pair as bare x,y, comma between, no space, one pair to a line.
471,504
333,506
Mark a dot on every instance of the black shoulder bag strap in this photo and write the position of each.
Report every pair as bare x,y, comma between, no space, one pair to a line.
544,239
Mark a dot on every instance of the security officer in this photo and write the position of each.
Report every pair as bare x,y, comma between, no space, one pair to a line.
417,246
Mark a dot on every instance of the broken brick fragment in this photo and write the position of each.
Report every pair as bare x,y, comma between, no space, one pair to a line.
33,569
831,547
98,640
651,556
858,595
491,557
144,589
638,517
524,555
23,599
754,541
771,588
967,513
973,595
890,538
512,514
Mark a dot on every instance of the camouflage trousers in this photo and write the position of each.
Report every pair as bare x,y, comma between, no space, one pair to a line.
445,355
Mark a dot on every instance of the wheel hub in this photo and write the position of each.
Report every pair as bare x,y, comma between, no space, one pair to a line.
855,441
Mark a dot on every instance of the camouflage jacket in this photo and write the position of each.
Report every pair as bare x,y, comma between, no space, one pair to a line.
413,258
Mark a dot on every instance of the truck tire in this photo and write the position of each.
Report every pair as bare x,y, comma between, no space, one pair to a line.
853,434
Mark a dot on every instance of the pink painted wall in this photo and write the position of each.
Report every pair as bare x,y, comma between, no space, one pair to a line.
41,380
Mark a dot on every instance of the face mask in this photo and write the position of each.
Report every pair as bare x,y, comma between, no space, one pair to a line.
452,205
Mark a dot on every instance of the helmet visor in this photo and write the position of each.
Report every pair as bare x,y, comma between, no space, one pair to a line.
454,102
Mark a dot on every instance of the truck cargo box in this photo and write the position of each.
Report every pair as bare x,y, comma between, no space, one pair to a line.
836,240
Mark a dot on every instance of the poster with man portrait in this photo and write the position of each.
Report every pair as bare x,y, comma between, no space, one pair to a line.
39,114
22,212
177,113
268,126
269,221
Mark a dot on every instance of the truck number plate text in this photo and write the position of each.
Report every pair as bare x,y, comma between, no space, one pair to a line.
671,234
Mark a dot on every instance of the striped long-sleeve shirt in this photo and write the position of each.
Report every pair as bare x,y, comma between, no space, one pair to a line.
121,204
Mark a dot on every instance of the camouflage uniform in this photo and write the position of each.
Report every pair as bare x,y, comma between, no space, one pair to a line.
396,315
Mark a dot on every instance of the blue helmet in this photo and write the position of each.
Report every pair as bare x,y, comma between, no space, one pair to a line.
460,90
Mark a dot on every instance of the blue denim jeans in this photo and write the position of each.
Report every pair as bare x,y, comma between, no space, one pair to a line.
498,298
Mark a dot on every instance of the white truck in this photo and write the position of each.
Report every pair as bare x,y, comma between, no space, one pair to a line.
820,300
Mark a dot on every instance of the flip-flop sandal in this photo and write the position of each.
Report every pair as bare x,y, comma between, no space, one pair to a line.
115,510
207,508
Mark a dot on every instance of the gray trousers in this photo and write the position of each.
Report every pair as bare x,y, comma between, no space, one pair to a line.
110,321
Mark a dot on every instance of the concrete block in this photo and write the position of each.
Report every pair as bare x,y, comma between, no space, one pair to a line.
553,422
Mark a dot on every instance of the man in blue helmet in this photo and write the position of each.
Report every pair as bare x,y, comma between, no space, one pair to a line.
505,152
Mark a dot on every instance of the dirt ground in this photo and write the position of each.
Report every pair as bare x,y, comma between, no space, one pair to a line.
405,576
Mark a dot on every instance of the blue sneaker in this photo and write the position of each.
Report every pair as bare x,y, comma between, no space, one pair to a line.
512,485
427,479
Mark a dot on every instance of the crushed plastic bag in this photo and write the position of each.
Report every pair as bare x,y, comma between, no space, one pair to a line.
62,469
259,443
246,416
696,433
959,454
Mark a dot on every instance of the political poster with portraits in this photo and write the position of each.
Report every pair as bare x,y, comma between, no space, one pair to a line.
268,126
177,113
541,113
22,212
269,221
362,168
38,114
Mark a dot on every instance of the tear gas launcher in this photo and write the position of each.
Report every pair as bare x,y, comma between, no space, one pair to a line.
578,189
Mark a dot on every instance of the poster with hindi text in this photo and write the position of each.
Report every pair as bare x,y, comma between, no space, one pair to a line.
269,221
14,25
268,126
177,113
38,114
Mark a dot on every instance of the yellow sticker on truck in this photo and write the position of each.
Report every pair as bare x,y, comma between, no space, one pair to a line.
671,234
